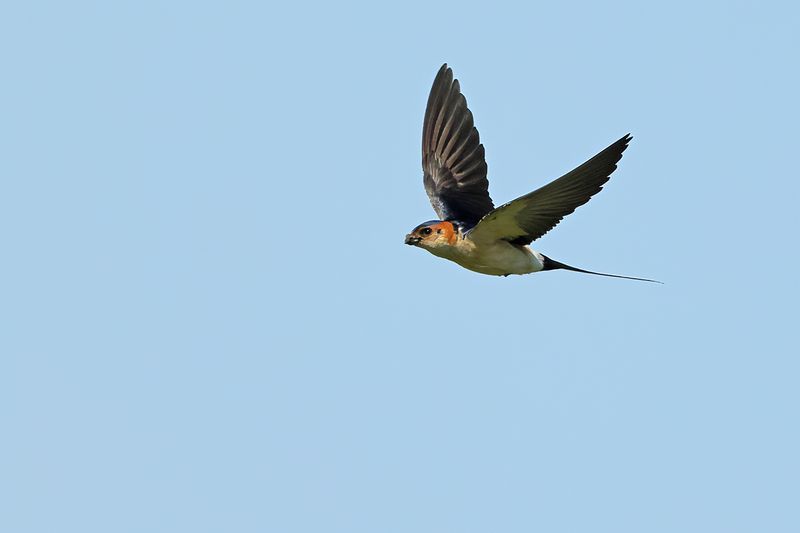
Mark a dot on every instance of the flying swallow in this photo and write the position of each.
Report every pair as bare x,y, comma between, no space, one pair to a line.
470,230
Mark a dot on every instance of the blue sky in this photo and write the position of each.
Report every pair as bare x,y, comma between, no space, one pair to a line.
210,321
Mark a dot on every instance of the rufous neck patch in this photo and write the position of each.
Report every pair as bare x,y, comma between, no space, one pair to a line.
446,228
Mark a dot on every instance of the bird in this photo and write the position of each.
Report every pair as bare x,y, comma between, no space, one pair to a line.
470,231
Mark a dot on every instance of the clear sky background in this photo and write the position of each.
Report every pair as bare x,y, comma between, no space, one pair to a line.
210,321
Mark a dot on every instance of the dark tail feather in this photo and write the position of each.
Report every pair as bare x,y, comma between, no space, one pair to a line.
549,264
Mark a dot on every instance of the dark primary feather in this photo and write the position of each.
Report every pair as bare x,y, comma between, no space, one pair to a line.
527,218
452,155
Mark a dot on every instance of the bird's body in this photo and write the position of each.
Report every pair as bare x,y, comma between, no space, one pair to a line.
495,257
471,231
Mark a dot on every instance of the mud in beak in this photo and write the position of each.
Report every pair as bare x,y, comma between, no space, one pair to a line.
412,240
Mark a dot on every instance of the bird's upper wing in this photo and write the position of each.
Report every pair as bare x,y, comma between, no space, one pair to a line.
527,218
452,155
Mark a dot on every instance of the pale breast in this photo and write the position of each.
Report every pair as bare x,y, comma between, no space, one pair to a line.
499,258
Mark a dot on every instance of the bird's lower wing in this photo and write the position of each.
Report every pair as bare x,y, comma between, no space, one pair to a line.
527,218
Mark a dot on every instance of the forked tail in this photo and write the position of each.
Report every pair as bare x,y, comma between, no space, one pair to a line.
550,264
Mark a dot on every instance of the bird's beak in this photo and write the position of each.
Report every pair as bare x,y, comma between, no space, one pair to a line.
412,240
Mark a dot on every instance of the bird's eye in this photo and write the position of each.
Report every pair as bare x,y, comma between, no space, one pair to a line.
425,231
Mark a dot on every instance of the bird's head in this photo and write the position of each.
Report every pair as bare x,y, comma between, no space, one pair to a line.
434,236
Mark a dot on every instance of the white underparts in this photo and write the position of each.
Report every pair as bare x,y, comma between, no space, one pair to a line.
497,258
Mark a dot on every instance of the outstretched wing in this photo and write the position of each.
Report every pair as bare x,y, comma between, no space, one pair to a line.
452,155
527,218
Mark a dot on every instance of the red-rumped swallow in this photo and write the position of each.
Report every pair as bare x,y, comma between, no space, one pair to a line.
472,232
